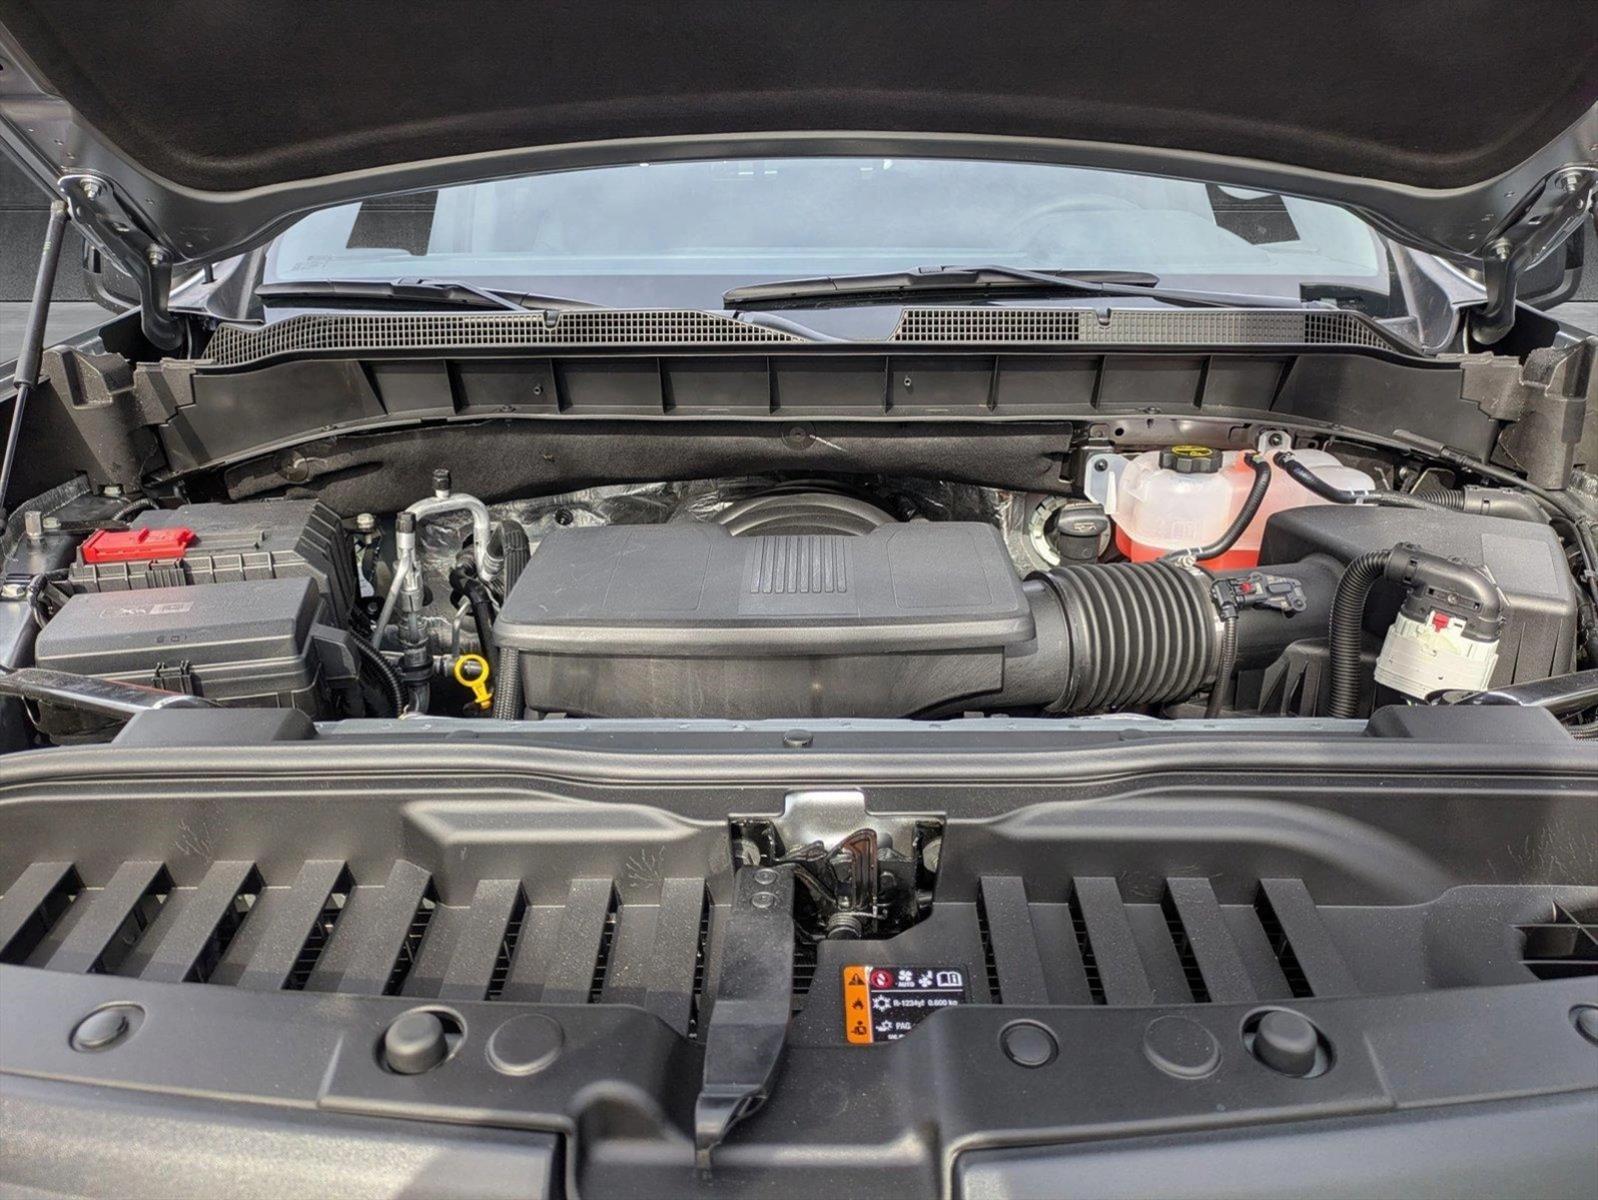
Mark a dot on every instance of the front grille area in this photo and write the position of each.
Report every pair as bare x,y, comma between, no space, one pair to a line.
1094,940
323,930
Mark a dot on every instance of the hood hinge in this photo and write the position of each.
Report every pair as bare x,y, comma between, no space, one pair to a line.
108,225
1553,214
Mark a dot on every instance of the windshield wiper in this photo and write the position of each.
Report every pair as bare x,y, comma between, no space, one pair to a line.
926,282
449,293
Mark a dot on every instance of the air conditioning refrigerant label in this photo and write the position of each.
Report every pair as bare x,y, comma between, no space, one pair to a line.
883,1004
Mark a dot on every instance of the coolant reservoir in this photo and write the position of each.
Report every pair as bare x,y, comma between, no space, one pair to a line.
1186,496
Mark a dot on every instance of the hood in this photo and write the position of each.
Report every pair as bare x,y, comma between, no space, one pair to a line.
203,126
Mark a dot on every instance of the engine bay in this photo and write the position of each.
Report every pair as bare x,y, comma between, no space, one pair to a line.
1177,582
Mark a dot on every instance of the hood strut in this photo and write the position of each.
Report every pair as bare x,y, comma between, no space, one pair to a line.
108,225
1541,226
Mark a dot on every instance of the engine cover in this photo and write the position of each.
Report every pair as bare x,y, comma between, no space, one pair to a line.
685,620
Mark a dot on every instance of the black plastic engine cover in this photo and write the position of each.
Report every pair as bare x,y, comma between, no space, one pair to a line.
685,620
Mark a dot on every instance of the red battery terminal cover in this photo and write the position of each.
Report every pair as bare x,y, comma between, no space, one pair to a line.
136,545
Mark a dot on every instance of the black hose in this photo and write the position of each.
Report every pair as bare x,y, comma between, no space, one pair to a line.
1306,478
383,674
132,509
1246,514
1485,502
1346,635
468,586
1223,673
508,690
1452,499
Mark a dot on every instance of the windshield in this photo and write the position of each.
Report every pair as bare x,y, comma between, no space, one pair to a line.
681,233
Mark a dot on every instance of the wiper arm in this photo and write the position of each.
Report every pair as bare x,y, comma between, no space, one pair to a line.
965,281
450,293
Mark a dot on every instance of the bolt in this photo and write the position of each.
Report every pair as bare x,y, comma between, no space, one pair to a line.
1569,181
106,1027
796,739
763,899
33,524
441,482
1500,250
1586,1018
156,256
765,876
365,523
90,188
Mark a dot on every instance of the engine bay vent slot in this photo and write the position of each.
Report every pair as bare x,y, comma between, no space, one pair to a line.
1564,946
397,931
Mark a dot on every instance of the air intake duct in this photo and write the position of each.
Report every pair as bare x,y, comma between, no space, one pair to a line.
1113,636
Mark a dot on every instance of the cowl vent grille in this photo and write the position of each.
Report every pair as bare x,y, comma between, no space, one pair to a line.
235,345
1144,327
240,345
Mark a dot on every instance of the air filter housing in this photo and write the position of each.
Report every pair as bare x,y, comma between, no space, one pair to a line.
685,620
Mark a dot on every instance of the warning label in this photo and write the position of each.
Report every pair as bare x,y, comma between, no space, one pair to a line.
882,1004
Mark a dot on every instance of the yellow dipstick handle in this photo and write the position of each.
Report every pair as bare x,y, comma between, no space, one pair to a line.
476,680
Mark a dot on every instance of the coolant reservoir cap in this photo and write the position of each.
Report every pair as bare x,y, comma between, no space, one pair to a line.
1191,460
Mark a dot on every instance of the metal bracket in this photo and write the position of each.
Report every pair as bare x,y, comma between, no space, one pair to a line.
1544,402
1553,215
110,226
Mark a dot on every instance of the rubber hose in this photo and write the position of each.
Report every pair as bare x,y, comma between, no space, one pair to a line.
383,673
1406,500
1507,503
1306,478
508,691
1246,514
1223,674
1135,634
1449,498
476,593
1346,635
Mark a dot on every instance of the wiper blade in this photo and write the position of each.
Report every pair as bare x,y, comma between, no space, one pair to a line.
965,281
451,293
